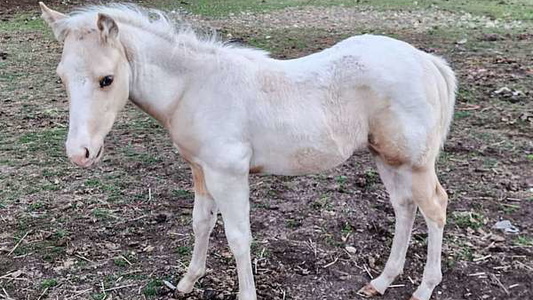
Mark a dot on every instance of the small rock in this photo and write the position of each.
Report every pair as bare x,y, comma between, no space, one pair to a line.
506,226
350,249
169,285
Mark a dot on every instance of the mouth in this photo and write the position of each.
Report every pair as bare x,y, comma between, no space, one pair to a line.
86,161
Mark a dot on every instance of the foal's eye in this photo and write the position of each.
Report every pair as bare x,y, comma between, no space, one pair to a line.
106,81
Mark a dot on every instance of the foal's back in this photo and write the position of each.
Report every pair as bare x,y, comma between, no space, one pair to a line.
312,113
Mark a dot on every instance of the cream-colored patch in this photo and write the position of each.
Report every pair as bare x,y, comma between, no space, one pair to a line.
199,180
386,140
312,160
429,195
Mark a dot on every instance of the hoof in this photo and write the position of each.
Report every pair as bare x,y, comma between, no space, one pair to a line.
185,286
368,291
413,298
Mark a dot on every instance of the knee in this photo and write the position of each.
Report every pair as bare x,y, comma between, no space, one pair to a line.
239,242
200,226
433,204
204,225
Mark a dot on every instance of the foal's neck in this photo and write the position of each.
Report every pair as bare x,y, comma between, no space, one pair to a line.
161,67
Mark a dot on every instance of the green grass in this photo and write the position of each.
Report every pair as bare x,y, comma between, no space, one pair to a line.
59,234
288,41
151,289
49,141
468,219
184,250
465,253
35,206
324,202
48,283
101,213
459,114
142,156
24,22
524,241
182,194
98,296
121,262
507,9
509,208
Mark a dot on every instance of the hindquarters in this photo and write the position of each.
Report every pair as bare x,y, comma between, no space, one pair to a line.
406,139
410,128
410,136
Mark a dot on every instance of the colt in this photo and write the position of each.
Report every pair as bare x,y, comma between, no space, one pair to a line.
232,111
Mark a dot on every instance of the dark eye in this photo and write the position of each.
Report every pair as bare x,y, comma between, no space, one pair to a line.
106,81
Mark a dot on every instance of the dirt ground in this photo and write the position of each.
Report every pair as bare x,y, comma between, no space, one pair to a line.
119,231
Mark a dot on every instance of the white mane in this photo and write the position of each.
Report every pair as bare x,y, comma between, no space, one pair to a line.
150,20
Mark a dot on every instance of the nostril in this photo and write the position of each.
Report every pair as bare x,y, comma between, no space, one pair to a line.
86,153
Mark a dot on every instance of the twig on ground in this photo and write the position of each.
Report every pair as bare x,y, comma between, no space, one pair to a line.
482,258
84,258
500,284
43,293
524,265
8,274
132,220
103,290
23,255
126,260
6,295
20,241
77,293
365,267
119,287
331,263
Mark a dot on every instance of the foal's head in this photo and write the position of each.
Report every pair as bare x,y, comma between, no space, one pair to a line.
96,75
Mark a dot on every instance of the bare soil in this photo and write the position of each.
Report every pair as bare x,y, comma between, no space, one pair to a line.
121,229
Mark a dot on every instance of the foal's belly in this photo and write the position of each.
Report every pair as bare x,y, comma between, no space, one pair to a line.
283,156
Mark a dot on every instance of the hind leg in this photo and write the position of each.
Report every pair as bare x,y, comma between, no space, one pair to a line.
397,182
432,201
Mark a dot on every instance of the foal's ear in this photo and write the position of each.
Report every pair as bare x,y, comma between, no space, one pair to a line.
107,26
51,17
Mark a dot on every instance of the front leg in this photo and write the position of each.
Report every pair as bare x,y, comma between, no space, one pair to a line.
229,187
204,219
